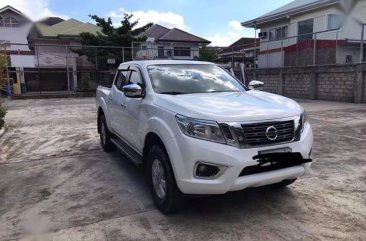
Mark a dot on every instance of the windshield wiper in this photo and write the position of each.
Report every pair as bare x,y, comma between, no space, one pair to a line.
222,91
172,93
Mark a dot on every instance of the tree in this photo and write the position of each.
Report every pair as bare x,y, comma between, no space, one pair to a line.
121,36
3,63
208,54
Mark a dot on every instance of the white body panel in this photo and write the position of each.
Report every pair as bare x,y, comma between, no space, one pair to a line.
156,113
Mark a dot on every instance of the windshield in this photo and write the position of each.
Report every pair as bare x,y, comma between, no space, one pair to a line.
191,78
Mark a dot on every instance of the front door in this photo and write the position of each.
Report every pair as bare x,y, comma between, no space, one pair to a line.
134,124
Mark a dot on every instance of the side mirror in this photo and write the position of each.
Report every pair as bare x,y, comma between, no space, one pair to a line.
132,91
254,84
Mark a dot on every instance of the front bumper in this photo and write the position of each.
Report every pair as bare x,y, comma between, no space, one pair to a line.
185,152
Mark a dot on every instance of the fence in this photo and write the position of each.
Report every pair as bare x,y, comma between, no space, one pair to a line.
311,49
43,68
345,83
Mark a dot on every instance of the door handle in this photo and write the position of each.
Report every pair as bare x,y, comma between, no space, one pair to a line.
123,106
110,98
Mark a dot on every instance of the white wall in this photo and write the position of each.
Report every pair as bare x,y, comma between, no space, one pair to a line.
15,34
54,56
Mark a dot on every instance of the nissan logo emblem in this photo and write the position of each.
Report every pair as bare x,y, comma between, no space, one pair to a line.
271,133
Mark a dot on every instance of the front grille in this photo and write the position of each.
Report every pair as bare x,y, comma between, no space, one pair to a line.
255,134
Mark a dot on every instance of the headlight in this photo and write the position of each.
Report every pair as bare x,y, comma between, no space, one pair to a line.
200,129
304,119
300,123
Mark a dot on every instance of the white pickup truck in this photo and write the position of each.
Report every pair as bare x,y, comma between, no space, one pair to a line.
196,129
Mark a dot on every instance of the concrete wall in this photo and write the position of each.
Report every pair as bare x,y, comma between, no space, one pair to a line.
338,82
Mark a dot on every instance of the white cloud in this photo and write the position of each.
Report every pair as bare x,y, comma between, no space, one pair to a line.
235,25
34,9
167,19
235,32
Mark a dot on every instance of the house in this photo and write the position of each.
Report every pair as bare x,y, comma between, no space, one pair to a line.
311,32
53,40
14,30
165,43
243,50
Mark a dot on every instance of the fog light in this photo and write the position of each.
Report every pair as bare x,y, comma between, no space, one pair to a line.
208,171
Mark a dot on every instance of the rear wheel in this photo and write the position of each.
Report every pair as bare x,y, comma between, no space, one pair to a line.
105,135
164,190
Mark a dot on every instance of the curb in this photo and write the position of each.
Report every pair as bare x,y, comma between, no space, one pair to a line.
3,130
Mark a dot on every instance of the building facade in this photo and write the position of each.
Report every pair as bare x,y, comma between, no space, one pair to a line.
14,30
311,32
244,50
165,43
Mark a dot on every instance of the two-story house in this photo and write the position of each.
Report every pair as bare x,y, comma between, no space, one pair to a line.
311,32
165,43
52,41
14,30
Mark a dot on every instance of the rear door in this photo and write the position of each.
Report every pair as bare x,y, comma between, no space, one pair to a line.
117,100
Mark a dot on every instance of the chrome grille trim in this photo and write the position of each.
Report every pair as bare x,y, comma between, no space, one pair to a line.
255,133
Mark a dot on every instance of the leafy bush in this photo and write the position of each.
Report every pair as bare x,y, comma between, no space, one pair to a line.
2,115
84,83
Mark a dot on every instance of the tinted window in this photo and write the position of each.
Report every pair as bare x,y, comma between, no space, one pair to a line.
121,79
135,78
304,27
182,51
192,78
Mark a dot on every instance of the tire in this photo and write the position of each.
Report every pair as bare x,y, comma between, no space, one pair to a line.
105,135
164,190
284,183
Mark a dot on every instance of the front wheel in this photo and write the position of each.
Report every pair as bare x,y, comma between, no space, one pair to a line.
164,190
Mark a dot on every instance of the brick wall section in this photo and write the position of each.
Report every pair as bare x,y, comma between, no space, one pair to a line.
270,82
333,82
339,87
296,85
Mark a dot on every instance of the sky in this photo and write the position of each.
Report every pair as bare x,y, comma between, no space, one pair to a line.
215,20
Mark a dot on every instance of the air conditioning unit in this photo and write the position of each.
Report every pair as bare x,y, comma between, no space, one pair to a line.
263,35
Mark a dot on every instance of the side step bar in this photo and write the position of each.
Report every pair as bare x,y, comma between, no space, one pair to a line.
135,157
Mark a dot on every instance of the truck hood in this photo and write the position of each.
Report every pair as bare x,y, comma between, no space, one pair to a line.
246,106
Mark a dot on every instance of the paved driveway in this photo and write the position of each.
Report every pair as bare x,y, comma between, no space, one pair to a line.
55,180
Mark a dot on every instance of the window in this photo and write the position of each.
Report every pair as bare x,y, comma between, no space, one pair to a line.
192,78
182,51
334,21
1,21
10,22
121,79
278,33
160,51
135,78
305,29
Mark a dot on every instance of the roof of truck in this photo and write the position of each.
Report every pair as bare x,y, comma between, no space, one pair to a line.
145,63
